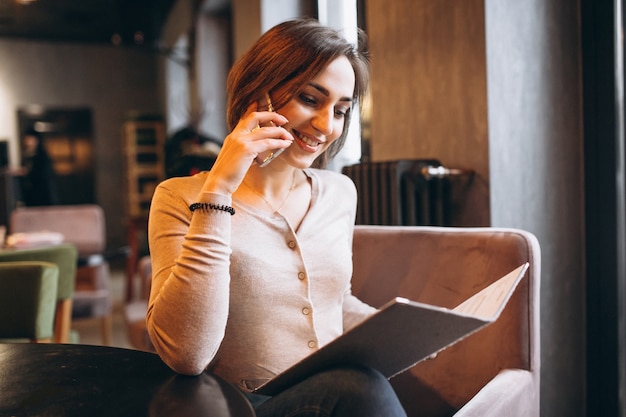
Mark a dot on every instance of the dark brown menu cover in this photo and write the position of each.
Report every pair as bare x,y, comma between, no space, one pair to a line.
402,333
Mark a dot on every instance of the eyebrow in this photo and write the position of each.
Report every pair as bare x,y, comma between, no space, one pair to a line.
325,91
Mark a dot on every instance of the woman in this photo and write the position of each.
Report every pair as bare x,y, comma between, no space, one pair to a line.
252,260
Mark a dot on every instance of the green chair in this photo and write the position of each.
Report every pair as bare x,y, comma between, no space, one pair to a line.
84,226
28,297
65,257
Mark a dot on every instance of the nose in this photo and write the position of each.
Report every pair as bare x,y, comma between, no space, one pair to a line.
323,121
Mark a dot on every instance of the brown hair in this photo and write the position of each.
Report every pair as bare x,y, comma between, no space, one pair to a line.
289,55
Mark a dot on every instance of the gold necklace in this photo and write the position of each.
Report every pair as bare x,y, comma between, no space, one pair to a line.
293,185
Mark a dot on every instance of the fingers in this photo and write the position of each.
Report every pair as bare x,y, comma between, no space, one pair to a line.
254,118
259,136
263,158
265,130
267,119
271,133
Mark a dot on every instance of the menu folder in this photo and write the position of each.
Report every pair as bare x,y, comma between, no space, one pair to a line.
401,334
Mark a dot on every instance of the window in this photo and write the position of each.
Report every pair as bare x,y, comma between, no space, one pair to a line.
342,15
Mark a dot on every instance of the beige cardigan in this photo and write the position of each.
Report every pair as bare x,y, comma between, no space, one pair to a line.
245,295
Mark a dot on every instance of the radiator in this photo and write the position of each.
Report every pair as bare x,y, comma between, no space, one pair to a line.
403,192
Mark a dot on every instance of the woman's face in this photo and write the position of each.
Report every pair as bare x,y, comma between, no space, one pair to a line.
317,113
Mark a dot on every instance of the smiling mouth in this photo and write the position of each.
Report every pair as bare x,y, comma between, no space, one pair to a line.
307,141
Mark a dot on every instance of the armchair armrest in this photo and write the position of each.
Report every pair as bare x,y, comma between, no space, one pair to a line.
506,395
444,266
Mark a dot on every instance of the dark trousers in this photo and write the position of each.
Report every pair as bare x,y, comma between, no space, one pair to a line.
341,392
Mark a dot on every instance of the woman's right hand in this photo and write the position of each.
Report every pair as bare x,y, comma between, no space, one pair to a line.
256,133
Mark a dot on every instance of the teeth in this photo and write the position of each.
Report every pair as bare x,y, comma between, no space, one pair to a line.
308,141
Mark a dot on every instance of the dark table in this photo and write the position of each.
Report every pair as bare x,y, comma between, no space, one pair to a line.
79,380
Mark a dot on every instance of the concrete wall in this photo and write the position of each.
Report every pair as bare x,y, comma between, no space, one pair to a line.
111,81
535,139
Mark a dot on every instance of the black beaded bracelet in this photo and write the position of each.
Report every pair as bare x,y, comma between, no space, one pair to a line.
205,206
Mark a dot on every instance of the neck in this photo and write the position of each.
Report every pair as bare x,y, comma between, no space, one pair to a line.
273,190
273,179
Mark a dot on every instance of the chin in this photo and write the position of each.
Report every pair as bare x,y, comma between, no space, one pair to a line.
302,165
310,161
301,161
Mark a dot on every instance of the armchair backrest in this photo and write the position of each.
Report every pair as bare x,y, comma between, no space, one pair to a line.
28,293
443,267
65,258
82,225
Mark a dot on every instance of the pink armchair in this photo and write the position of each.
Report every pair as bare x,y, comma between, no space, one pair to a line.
494,372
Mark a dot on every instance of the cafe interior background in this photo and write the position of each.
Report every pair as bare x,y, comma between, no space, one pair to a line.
527,96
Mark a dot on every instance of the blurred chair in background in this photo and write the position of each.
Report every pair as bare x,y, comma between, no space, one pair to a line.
65,258
84,227
135,311
28,297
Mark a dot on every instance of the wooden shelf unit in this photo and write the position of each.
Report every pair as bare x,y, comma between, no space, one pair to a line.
144,144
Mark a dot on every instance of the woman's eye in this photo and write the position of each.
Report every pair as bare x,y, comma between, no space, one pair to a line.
341,113
307,99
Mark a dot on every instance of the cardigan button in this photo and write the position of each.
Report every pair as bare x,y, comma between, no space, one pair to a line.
291,244
306,311
312,344
301,276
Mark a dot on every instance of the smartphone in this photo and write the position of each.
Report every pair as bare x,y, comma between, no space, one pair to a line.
264,159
